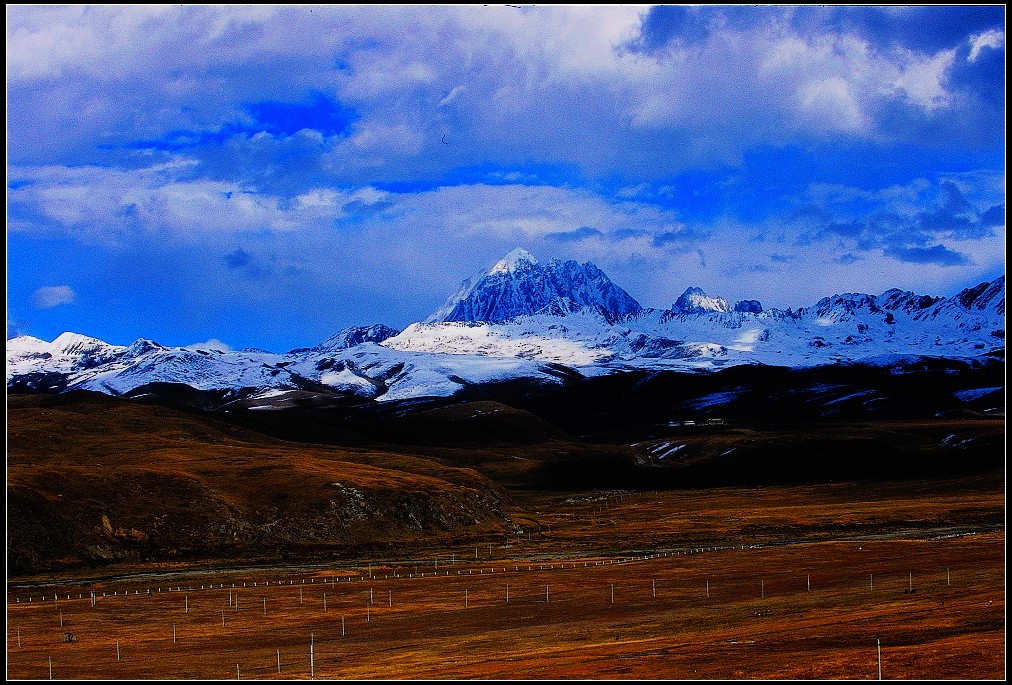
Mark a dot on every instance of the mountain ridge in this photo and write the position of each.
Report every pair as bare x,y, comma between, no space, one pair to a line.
527,320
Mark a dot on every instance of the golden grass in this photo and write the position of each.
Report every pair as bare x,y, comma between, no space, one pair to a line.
939,631
183,487
165,473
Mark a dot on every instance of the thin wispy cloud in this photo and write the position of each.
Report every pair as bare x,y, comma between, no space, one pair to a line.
50,296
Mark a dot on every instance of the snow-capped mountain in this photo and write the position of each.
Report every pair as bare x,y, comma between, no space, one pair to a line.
520,319
702,331
518,285
356,335
69,351
695,301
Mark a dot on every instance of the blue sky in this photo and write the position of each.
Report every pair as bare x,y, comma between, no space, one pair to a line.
264,176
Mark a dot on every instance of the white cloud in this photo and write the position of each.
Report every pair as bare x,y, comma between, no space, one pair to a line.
379,138
831,104
770,84
212,344
523,212
431,239
50,296
369,195
44,42
321,199
452,95
923,80
994,38
512,75
99,204
381,79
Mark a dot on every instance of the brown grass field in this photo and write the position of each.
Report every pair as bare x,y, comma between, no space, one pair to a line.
760,620
219,521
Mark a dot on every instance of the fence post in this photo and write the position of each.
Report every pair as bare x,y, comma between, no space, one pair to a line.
878,644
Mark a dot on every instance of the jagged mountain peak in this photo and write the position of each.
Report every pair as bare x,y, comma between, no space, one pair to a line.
143,346
984,296
695,301
520,286
69,343
515,259
749,307
356,335
903,300
845,306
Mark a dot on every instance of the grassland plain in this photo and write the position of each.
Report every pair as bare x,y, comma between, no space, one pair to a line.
810,610
757,580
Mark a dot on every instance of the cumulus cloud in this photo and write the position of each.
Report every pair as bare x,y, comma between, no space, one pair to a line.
784,79
832,102
716,86
50,296
924,81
